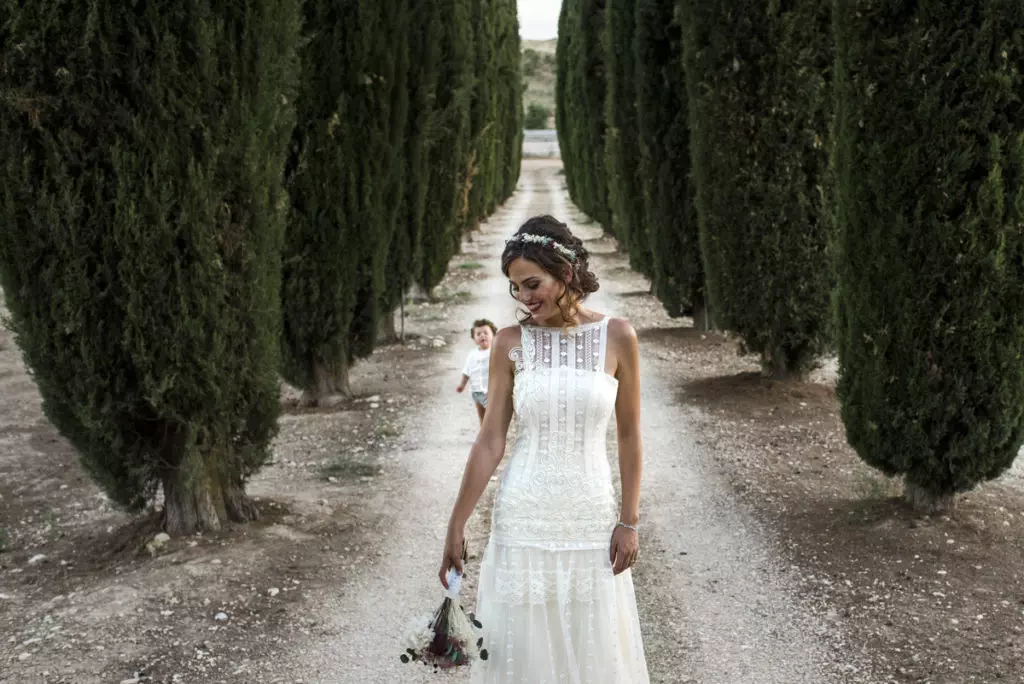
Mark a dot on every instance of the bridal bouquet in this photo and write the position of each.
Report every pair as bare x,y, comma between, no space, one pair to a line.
448,638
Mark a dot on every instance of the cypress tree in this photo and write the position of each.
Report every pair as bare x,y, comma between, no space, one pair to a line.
390,55
581,95
412,175
508,98
448,144
930,166
510,103
141,153
565,122
483,110
590,130
669,214
344,195
622,143
758,95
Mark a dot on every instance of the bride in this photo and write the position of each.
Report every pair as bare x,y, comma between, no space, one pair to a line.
556,593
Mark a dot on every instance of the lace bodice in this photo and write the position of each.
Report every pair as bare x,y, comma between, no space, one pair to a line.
556,491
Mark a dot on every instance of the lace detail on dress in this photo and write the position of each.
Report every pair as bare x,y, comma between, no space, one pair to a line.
556,491
552,610
574,577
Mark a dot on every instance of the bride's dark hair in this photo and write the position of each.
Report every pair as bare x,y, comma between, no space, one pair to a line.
579,280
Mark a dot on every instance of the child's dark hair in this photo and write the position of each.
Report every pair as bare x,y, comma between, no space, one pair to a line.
580,283
481,322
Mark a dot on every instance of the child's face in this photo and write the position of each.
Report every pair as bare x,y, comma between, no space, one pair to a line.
483,336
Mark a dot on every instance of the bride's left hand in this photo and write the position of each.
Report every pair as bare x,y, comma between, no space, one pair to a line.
625,547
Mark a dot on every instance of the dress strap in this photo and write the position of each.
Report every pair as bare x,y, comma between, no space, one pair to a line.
525,355
602,344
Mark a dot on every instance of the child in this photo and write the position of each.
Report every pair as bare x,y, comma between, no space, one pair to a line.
477,363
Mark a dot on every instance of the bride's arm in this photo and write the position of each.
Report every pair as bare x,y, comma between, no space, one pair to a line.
488,448
625,543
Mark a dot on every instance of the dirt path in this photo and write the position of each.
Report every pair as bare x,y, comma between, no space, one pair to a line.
715,606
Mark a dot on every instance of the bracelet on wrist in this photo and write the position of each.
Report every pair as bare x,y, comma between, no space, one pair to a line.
635,528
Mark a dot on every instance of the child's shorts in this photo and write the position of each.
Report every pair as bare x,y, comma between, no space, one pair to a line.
480,398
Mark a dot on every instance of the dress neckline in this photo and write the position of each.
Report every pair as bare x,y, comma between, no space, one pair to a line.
571,331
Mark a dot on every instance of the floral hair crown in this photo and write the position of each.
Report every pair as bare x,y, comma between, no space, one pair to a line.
546,241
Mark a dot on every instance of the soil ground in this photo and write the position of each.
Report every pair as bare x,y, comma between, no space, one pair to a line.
770,552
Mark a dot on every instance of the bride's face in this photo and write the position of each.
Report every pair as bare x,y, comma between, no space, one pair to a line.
537,290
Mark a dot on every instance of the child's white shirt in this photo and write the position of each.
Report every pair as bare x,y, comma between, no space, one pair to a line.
477,366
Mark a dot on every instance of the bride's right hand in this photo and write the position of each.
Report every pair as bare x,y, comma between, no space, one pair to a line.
452,558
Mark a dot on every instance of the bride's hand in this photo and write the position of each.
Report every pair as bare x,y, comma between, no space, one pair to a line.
625,547
452,558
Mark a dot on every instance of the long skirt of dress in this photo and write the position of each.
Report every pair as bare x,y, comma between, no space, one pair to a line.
557,616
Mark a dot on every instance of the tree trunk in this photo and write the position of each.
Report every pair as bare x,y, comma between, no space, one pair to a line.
925,501
781,367
196,500
387,332
401,313
188,506
341,384
237,504
323,385
189,502
701,313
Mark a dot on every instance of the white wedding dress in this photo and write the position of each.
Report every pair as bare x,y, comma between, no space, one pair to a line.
552,611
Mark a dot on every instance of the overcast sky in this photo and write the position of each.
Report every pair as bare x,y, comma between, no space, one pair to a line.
538,19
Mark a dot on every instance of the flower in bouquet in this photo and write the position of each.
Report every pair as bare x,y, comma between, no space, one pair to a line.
448,638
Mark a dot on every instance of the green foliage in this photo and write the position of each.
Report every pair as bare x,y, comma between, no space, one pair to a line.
496,112
536,118
531,62
622,142
508,88
141,154
534,62
484,110
930,253
413,175
592,84
580,104
757,84
345,152
449,149
565,50
663,130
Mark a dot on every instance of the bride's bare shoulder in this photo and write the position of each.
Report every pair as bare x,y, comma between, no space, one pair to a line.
621,330
508,339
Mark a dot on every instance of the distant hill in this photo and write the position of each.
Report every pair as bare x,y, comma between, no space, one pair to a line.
538,62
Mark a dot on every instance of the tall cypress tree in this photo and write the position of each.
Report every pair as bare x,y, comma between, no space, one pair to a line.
141,152
930,165
591,72
757,85
510,100
565,101
580,63
622,143
448,144
506,91
413,174
669,214
389,56
483,110
344,195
